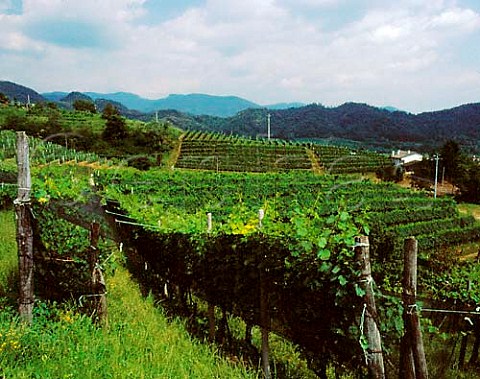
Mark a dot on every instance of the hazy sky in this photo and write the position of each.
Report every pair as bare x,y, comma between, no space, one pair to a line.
417,55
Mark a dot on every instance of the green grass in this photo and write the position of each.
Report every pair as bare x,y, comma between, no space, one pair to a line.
8,251
139,342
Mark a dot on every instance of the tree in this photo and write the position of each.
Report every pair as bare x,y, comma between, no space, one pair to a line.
469,182
110,111
462,171
452,157
4,98
115,130
84,105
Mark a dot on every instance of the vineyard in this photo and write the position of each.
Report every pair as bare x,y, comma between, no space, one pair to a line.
43,152
271,247
224,153
341,160
219,152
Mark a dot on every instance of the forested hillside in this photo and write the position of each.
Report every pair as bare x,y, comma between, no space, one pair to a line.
359,122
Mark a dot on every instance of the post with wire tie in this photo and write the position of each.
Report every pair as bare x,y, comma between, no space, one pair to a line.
412,355
98,303
370,339
23,215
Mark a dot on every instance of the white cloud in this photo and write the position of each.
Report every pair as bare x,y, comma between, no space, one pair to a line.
456,18
264,50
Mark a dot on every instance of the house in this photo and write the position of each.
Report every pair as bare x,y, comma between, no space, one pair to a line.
406,158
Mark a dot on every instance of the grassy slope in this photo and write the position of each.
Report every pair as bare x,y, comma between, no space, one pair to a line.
138,343
8,248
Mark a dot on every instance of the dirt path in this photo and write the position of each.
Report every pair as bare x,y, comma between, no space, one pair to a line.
470,209
317,169
176,152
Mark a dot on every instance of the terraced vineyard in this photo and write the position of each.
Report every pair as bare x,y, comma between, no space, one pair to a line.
219,152
341,160
224,153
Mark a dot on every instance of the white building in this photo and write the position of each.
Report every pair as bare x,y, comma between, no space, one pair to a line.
406,158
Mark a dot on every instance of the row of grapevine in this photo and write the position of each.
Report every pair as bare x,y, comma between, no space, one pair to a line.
199,136
215,151
401,212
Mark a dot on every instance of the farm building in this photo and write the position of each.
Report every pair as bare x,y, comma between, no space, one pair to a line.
406,158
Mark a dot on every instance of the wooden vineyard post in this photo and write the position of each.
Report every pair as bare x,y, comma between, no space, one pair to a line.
98,287
373,354
211,322
264,314
23,217
412,343
211,305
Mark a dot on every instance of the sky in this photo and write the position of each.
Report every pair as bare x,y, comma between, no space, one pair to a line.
415,55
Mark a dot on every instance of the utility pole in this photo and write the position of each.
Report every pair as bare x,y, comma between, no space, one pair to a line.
436,175
268,126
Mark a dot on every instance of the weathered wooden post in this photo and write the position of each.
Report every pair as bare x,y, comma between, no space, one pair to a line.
264,314
413,334
374,354
23,217
407,366
98,287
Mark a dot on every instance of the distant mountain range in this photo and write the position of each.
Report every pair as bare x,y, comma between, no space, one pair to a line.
195,104
384,127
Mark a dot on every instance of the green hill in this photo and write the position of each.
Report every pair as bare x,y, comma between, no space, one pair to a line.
20,93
